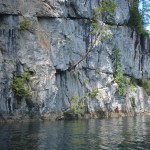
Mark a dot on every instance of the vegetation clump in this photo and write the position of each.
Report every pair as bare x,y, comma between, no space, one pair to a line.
19,85
130,82
118,73
98,70
145,83
93,93
76,108
119,77
85,82
106,8
132,100
24,25
99,29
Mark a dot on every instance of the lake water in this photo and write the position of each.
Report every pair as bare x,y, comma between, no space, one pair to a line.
128,133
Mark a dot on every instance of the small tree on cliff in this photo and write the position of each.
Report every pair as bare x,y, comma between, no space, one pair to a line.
100,30
20,86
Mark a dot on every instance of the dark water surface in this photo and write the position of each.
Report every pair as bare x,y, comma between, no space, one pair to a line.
129,133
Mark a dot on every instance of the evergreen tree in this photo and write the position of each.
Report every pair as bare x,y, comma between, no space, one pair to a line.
144,6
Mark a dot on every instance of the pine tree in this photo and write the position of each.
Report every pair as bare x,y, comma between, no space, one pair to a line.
144,6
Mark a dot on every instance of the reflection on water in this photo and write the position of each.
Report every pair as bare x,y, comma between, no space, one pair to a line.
129,133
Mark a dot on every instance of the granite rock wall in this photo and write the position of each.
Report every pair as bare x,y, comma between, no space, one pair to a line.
57,37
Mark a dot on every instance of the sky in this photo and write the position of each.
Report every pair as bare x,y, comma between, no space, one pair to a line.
148,28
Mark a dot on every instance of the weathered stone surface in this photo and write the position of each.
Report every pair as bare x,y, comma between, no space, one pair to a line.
9,7
57,37
122,12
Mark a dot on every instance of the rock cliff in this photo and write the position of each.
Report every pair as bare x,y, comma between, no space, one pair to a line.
57,36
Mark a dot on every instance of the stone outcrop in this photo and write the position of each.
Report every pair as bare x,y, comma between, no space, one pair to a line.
57,37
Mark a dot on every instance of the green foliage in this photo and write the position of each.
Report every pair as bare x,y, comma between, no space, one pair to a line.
24,25
97,70
100,30
135,20
119,78
106,7
131,82
93,93
145,83
85,82
19,85
132,100
75,99
128,81
26,76
145,11
118,74
77,106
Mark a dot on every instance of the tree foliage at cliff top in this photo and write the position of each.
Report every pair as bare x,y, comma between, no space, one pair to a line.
137,19
144,6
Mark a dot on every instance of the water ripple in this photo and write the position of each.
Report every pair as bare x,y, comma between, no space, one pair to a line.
129,133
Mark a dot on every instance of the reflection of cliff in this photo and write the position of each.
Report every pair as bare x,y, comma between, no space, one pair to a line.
58,36
24,136
127,133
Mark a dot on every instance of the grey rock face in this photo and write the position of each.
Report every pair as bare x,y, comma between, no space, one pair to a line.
9,7
122,12
57,37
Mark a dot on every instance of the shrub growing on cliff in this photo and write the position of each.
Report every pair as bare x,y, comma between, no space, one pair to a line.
106,8
76,107
93,92
19,85
145,83
24,25
130,82
99,29
118,73
145,11
85,82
